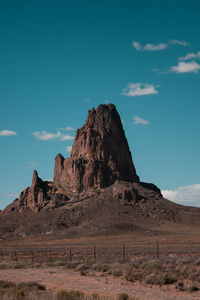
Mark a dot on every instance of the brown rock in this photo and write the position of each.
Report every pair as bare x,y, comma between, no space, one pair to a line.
41,194
100,154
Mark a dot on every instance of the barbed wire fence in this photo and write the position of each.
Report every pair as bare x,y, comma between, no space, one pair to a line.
109,252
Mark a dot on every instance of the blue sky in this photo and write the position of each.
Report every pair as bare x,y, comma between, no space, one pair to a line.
60,58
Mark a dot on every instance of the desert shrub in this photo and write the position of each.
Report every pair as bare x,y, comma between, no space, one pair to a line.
123,296
180,286
160,279
133,275
73,264
116,269
95,296
32,285
71,295
6,284
62,295
193,288
3,266
101,267
82,267
20,294
83,273
117,272
195,276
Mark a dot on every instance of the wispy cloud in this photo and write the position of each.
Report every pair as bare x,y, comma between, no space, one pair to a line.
149,47
68,128
6,132
68,148
31,166
187,195
46,136
137,46
190,56
155,47
66,137
12,195
137,120
177,42
139,89
159,46
183,67
106,101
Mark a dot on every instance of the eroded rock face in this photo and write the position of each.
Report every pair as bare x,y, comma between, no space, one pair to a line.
35,196
100,154
100,157
40,195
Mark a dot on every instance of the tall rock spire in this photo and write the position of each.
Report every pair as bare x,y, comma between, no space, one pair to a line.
100,154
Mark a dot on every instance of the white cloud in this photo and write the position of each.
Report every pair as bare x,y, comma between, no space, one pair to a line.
31,166
190,56
181,43
156,70
66,137
7,132
13,195
137,120
106,101
68,148
155,47
68,128
46,136
139,89
190,67
149,47
137,45
187,195
158,46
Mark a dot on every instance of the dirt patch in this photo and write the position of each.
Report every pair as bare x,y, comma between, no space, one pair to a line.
56,279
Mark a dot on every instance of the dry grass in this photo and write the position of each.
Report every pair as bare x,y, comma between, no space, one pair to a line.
183,272
23,291
163,271
35,291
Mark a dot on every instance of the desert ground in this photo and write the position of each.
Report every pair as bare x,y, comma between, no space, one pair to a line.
162,262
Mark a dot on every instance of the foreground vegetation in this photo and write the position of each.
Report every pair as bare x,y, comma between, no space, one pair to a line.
35,291
182,272
163,271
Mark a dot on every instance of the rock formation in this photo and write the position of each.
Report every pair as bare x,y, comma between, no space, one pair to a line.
98,182
41,194
100,154
37,195
95,190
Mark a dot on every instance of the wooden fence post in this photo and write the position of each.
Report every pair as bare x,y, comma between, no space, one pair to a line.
15,255
94,252
70,254
157,250
123,251
50,257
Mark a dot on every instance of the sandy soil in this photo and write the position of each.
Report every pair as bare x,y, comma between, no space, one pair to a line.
58,278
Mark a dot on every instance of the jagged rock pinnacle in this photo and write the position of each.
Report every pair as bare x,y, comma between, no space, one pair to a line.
100,154
35,178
